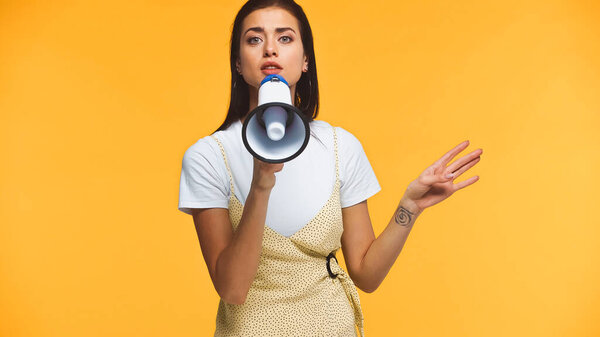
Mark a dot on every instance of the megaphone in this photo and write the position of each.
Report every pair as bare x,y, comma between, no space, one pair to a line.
275,131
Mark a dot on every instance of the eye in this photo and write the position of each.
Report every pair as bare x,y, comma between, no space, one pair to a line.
289,38
252,38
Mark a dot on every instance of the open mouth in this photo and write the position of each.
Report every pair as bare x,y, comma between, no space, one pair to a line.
270,65
271,70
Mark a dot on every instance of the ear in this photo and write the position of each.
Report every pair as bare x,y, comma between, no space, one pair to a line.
238,64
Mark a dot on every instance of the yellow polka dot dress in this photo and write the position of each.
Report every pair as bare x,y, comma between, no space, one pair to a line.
299,288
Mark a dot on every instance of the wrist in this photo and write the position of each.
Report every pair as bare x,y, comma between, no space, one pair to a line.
406,213
410,206
259,191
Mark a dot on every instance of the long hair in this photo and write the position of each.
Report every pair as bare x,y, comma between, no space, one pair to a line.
307,89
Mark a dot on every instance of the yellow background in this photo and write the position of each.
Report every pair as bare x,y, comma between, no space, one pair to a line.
100,99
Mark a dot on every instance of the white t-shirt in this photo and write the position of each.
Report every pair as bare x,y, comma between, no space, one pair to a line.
302,187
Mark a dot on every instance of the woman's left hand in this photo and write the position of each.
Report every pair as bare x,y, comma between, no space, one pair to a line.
433,186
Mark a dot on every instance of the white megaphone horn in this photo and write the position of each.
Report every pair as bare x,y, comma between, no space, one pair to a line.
275,131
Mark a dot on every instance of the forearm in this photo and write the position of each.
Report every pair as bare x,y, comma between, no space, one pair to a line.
238,263
384,250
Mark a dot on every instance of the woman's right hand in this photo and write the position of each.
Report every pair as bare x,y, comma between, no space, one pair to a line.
264,174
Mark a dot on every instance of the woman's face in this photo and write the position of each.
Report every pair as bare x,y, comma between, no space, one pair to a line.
271,35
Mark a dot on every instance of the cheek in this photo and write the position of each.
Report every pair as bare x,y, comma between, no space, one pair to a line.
296,59
248,54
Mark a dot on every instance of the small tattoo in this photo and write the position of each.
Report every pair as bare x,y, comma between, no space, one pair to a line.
403,216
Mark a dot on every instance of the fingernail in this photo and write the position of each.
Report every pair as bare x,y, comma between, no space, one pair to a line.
449,175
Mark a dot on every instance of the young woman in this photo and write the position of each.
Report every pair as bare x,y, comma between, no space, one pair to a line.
269,232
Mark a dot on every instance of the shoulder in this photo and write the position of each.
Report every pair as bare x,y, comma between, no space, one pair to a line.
203,150
347,141
348,138
203,146
323,127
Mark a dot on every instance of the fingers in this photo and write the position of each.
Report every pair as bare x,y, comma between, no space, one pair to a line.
465,183
462,161
461,170
452,153
269,167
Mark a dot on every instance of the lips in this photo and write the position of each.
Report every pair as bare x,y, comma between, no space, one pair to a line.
270,71
270,64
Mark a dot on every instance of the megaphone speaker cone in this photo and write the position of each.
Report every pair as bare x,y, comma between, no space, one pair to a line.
275,131
269,147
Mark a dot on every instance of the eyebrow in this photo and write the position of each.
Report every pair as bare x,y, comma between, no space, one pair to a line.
262,30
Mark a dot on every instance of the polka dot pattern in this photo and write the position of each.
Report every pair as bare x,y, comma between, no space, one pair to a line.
293,293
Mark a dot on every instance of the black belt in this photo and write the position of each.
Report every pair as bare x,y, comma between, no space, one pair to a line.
331,274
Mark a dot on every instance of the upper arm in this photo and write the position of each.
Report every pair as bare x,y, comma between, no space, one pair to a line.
357,237
358,183
215,234
358,180
204,181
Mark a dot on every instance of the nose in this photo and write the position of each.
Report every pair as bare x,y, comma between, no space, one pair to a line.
270,49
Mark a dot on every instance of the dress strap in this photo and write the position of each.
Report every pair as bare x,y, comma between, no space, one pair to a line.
226,164
337,173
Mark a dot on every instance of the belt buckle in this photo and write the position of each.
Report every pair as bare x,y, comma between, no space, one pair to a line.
331,274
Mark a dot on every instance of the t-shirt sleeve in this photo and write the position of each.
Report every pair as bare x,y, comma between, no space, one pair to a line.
203,184
358,180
